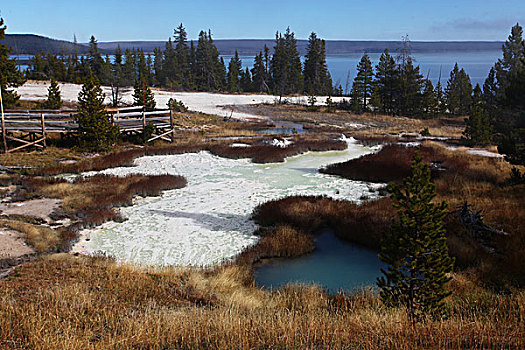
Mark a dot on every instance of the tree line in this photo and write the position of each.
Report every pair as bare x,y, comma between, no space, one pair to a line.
184,66
394,86
397,87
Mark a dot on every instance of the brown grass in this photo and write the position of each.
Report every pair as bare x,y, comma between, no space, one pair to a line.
479,180
43,239
91,201
363,224
282,241
63,302
272,154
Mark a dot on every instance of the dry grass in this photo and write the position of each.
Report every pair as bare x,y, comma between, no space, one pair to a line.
40,159
63,302
264,153
363,224
342,121
281,241
481,181
43,239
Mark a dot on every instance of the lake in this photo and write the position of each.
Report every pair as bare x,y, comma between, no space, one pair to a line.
356,267
342,67
477,64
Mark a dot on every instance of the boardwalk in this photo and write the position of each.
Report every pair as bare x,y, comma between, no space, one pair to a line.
31,127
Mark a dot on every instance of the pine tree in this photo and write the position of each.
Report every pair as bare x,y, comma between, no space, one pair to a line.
246,80
157,66
96,62
129,71
386,82
142,95
478,130
54,100
210,72
95,129
285,65
117,79
295,77
234,72
169,67
415,249
409,88
260,76
364,81
429,101
182,72
10,75
441,103
317,79
509,65
490,89
458,92
512,143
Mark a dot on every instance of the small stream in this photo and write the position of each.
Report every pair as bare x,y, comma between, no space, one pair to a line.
335,265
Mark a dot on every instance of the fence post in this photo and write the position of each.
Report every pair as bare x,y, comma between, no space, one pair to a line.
144,123
3,121
43,129
171,126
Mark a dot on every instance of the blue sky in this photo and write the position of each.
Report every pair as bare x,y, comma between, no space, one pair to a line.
332,19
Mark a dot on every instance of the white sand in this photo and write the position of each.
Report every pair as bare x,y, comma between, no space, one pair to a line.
205,102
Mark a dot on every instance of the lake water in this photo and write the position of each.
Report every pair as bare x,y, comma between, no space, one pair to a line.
342,67
476,64
356,267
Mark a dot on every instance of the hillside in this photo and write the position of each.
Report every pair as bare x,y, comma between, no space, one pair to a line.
253,46
32,44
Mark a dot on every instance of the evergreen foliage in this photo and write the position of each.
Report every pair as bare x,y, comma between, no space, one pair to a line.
429,101
182,70
458,92
317,79
260,77
177,106
386,83
409,88
210,72
439,96
246,80
117,79
54,100
285,65
478,130
415,249
142,95
363,86
10,75
234,72
504,92
96,63
96,132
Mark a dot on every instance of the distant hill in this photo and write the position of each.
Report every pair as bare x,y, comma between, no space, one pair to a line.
250,47
31,44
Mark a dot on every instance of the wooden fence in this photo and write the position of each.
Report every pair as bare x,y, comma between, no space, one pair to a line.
31,127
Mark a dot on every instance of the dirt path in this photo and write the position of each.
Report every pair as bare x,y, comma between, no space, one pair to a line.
12,244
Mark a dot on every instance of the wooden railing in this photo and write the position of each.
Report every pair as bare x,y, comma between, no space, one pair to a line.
32,126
